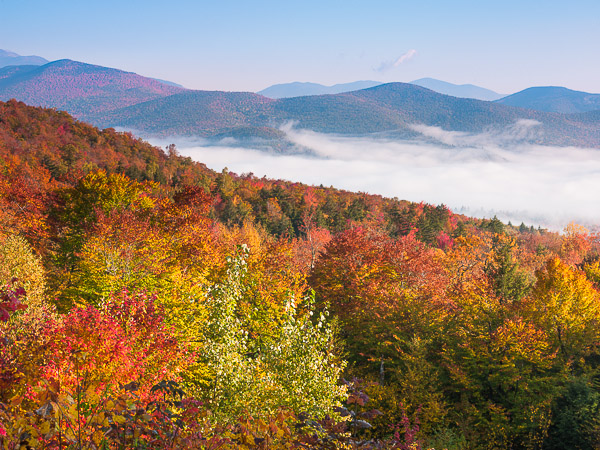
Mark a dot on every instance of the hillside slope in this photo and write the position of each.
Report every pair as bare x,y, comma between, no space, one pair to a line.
194,113
553,99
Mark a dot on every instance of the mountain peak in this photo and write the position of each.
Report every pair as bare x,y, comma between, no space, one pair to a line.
78,87
553,99
458,90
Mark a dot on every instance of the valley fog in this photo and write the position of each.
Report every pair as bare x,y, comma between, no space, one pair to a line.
480,175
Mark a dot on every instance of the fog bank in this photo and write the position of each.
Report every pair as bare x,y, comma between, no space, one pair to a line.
477,174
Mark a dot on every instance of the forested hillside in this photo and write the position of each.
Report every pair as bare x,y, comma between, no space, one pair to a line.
391,107
149,302
79,88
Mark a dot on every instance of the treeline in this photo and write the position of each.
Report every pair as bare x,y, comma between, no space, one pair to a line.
149,302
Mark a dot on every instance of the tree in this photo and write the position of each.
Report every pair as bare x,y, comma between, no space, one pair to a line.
566,306
509,282
295,368
17,260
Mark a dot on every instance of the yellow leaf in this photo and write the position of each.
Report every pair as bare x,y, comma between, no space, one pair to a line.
16,400
97,437
45,428
119,419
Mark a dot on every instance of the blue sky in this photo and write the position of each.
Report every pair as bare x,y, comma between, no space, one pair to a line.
248,45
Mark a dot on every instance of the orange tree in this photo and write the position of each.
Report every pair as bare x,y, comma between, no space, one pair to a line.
389,297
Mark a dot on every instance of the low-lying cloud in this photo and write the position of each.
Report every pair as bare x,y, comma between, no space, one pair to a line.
510,136
485,174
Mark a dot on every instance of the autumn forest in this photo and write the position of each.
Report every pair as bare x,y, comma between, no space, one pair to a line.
148,302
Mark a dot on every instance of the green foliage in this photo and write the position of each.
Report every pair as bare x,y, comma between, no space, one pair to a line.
297,368
427,220
495,225
87,209
508,281
576,417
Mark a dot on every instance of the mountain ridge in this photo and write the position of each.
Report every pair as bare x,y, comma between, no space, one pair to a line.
458,90
303,89
8,58
80,88
109,97
391,107
553,99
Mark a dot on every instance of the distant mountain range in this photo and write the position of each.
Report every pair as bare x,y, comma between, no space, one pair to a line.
113,98
12,59
298,89
458,90
391,108
553,99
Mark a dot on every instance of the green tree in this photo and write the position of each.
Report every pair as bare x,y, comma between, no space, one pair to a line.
509,282
296,367
576,417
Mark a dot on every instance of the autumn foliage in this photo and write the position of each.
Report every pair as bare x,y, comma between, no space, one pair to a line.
148,302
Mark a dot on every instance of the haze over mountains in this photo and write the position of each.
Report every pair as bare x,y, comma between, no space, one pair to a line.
12,59
298,89
113,98
458,90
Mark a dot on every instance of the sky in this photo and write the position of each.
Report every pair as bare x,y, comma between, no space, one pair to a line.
239,45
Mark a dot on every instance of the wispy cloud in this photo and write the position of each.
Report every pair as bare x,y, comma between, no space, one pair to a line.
514,134
387,65
479,174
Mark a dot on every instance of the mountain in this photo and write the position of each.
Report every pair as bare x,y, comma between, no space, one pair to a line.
195,113
458,90
169,83
388,108
12,59
79,88
298,89
113,98
553,99
396,107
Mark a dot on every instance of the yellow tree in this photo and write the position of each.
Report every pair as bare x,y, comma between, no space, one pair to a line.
566,306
